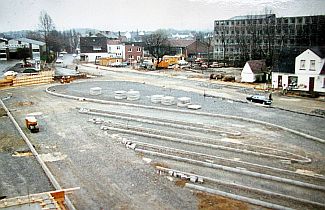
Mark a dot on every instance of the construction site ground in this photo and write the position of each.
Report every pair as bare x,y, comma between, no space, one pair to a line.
81,153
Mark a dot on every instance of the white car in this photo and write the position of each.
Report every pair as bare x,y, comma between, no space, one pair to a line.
182,62
10,73
74,55
59,60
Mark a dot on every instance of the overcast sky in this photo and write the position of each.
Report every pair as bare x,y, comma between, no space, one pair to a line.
128,15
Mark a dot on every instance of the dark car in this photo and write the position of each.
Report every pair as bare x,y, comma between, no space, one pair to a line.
30,70
259,99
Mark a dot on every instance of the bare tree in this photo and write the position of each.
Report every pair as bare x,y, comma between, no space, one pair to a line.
46,26
157,44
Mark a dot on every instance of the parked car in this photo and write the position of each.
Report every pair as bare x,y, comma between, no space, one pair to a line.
182,62
30,70
214,65
259,99
10,73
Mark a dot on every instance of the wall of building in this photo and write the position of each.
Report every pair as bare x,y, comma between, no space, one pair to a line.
133,53
116,50
307,71
92,56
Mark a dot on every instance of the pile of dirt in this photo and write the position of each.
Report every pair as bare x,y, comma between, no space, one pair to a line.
181,183
2,112
209,202
24,103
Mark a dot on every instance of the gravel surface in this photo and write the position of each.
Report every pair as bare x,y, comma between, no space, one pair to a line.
113,177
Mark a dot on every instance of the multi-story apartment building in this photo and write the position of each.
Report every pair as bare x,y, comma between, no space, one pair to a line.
242,38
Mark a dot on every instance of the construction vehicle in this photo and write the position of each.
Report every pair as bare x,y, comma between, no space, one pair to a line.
66,79
31,124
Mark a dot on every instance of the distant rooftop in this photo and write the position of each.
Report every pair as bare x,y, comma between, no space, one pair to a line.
245,17
31,41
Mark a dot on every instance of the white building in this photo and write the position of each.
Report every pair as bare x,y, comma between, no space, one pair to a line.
254,71
309,73
115,49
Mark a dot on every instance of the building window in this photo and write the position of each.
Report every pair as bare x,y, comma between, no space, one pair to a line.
303,64
130,50
293,82
139,49
19,42
312,65
118,47
138,58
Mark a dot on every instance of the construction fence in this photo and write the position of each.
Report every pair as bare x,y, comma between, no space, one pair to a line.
43,77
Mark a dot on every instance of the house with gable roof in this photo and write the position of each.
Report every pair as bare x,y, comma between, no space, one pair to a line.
308,75
254,71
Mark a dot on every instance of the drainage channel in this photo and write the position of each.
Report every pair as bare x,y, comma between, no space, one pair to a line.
209,142
159,121
231,169
214,146
229,162
249,192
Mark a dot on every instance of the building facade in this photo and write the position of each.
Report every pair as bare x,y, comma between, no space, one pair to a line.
9,48
92,48
309,72
133,53
116,49
251,37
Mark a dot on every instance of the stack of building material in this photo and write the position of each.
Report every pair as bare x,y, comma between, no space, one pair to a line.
183,101
156,98
168,100
133,95
42,77
120,94
95,91
194,106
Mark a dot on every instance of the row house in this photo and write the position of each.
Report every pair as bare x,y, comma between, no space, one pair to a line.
133,53
9,47
95,47
116,49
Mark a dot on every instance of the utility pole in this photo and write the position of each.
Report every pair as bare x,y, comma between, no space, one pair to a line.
209,38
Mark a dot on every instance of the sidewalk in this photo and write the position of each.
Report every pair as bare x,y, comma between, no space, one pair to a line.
226,90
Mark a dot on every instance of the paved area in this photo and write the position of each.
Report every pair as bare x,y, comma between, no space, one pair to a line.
194,82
